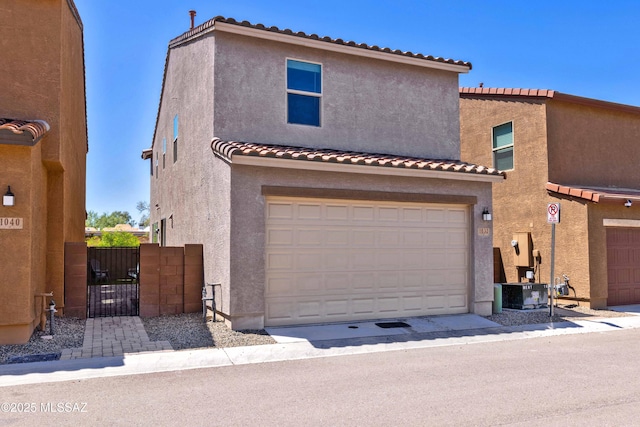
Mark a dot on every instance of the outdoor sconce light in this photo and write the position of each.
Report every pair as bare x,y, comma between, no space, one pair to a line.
628,203
486,215
8,199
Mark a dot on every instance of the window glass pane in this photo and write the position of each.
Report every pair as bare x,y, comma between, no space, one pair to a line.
303,110
175,127
304,76
503,159
164,145
502,135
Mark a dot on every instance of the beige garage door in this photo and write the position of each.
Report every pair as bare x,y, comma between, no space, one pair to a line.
337,260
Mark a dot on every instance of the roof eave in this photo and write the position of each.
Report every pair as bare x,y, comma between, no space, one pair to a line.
239,159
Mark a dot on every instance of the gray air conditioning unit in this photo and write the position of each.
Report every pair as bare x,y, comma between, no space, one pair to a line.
524,296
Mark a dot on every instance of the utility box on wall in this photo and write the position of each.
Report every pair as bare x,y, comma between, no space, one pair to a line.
523,246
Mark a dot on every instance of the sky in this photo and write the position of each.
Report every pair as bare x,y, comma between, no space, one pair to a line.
584,48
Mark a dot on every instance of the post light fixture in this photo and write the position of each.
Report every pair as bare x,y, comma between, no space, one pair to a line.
486,215
9,199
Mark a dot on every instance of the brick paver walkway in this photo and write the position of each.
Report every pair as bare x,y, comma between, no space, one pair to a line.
114,336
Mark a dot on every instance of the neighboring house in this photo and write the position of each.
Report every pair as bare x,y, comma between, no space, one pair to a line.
322,177
580,152
43,146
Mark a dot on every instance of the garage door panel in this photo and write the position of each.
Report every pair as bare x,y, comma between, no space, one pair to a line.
280,237
389,304
337,213
413,303
623,266
337,308
337,282
337,260
363,305
280,261
341,261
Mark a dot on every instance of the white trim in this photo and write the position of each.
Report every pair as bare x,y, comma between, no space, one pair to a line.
350,50
370,170
629,223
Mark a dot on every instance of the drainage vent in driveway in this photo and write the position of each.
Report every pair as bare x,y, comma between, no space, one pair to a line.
387,325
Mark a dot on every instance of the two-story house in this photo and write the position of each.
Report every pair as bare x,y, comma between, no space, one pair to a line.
43,148
321,175
558,148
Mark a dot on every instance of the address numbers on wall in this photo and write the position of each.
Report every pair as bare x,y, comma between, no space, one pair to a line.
11,223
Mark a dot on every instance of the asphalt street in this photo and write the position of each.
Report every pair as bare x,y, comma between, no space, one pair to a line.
582,379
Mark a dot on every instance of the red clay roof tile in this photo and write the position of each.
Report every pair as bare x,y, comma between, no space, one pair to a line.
36,128
211,23
227,149
595,194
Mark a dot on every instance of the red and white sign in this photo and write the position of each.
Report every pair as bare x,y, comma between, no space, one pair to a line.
553,213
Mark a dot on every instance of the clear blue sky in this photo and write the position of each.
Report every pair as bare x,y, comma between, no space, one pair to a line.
583,48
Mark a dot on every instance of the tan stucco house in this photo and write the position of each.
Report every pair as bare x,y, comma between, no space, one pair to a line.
321,175
559,148
43,146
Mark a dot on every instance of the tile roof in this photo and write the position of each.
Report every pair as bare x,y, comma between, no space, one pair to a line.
595,194
211,23
35,128
546,93
493,92
227,149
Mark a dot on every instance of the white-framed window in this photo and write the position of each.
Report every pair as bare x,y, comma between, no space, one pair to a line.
175,138
304,92
502,136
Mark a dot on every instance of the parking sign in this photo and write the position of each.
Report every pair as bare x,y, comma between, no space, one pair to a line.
553,213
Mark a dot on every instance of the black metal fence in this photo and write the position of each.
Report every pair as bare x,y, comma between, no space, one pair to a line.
113,287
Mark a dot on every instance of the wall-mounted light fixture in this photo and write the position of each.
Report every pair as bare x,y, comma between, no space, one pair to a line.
9,199
628,203
486,215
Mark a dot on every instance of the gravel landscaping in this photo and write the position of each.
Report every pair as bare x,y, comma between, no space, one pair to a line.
185,331
68,333
188,331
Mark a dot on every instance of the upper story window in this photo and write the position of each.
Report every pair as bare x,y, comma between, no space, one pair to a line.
175,138
304,92
503,146
156,165
164,152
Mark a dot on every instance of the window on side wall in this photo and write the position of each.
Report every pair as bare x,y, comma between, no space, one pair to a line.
164,152
156,165
304,92
503,146
175,138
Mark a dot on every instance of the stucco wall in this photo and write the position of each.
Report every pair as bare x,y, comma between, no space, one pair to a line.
367,105
519,203
43,80
247,275
602,139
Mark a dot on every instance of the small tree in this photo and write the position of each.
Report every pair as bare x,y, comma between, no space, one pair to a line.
143,209
119,239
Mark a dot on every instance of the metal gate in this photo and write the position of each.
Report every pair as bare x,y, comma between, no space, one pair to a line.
113,287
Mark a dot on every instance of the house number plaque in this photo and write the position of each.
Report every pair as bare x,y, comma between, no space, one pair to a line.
11,223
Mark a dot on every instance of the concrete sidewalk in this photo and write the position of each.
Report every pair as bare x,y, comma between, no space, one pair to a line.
296,343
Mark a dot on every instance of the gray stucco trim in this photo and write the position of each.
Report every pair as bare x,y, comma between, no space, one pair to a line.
335,193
